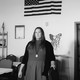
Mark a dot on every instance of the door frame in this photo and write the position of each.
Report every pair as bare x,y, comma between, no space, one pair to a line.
76,48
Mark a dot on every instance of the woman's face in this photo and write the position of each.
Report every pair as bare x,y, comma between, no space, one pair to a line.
38,34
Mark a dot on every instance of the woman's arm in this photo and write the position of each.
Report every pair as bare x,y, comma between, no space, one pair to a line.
21,67
52,56
23,63
20,71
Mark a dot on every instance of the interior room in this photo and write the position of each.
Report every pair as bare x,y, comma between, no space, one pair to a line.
18,30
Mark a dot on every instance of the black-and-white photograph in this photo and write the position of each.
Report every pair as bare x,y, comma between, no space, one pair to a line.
39,39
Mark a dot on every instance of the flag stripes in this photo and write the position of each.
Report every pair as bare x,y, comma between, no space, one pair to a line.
42,7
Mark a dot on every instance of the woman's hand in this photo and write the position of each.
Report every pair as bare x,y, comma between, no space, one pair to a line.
20,74
53,64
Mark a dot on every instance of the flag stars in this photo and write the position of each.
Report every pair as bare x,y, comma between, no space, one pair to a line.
31,2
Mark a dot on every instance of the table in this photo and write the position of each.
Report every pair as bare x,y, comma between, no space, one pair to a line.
16,63
5,70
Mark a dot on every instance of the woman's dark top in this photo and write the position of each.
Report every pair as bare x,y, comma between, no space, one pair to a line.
48,57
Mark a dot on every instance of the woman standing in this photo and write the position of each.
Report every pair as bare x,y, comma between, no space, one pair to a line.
38,57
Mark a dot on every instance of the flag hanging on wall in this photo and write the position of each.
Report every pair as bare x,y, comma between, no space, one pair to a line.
42,7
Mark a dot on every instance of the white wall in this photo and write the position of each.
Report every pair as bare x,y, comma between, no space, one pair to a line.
11,13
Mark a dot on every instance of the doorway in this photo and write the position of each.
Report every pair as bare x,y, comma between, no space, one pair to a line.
77,52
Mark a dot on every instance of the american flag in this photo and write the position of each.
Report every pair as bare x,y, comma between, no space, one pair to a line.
42,7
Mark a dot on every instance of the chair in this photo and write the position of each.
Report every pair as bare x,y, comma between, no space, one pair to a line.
4,63
21,57
53,74
12,57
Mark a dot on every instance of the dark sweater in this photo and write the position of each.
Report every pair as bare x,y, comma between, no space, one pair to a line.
49,57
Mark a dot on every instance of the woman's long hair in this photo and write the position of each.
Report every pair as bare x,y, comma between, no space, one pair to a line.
42,37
